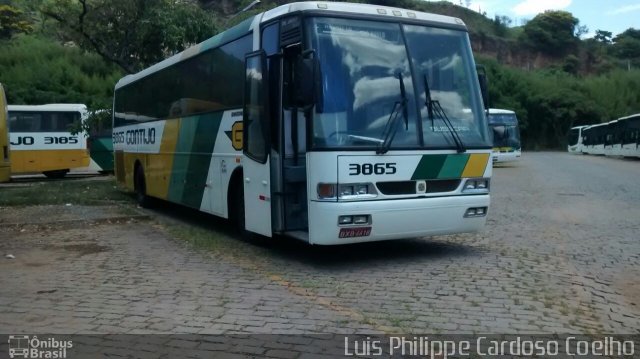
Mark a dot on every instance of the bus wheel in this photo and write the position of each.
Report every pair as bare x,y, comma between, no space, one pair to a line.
237,207
55,174
141,189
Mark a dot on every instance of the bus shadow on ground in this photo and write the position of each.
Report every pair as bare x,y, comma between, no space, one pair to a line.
290,249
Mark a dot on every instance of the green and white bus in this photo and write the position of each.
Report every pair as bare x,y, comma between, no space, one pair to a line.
328,122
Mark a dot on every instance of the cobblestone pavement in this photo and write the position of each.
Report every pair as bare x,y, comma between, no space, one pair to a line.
560,254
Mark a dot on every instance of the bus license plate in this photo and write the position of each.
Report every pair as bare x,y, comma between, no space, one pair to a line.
355,232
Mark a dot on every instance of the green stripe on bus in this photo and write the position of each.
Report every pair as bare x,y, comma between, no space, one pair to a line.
186,134
200,158
429,167
453,166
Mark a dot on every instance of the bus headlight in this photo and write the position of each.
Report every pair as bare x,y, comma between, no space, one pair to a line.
356,190
362,189
475,212
476,185
346,191
357,220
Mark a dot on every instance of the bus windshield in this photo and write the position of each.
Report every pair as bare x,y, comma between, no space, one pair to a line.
362,63
505,130
574,136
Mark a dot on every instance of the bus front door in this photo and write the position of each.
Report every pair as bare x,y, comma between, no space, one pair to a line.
256,164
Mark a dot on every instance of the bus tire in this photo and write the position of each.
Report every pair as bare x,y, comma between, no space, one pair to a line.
56,174
237,207
140,187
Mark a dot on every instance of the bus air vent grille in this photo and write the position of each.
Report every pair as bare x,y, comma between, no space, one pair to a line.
291,36
409,187
397,188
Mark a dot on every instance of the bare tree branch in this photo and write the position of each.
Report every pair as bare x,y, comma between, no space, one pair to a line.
79,29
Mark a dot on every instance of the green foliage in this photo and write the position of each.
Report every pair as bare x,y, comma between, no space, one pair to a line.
550,102
603,36
37,71
617,93
131,33
627,44
13,21
501,25
136,33
552,32
571,64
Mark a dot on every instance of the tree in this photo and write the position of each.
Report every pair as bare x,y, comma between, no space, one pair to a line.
581,30
37,70
552,32
131,33
603,36
571,65
627,44
13,21
501,24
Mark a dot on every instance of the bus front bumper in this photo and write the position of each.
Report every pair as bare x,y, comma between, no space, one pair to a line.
394,219
499,157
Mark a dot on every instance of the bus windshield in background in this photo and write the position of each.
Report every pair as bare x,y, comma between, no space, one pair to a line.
504,130
574,136
361,62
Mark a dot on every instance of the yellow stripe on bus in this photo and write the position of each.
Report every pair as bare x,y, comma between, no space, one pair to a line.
47,160
159,166
476,165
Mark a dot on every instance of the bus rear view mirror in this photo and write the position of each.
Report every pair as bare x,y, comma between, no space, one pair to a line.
484,86
307,90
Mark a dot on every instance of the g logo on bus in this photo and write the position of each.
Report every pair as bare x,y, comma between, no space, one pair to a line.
236,135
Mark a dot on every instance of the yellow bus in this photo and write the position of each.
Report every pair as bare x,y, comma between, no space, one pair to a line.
5,165
41,141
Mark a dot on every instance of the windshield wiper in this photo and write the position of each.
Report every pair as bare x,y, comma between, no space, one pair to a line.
391,128
434,108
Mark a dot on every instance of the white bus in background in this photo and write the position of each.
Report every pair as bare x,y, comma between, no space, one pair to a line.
574,140
505,133
594,138
328,122
624,137
619,137
41,141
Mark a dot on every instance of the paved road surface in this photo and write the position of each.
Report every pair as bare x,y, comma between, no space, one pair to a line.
561,253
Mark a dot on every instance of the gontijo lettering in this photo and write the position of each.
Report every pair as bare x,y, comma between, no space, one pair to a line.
136,137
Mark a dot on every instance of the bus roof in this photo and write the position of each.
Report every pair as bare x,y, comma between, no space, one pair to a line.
361,9
596,125
247,25
49,107
628,117
498,111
